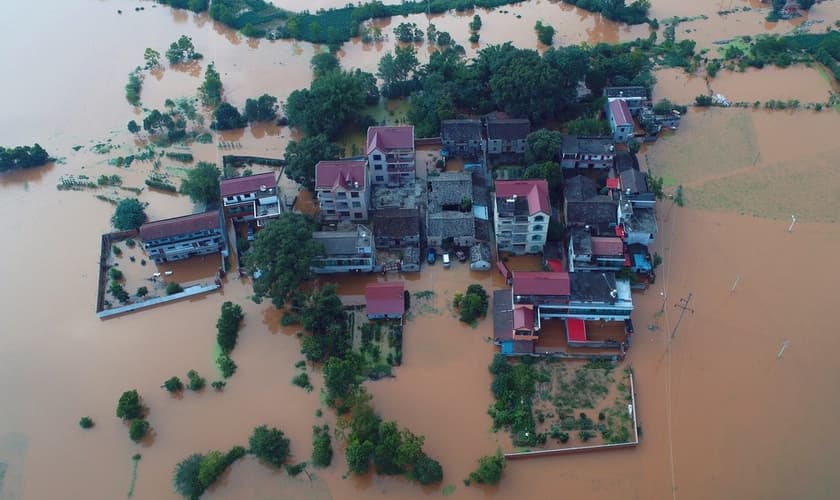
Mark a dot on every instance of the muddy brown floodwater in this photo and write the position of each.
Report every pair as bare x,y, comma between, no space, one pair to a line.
722,415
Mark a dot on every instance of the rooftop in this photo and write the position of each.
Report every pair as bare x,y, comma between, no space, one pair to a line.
580,188
540,283
523,318
625,160
629,92
338,243
621,113
449,188
449,224
247,184
607,246
509,129
180,225
573,144
460,130
386,138
502,314
598,211
582,240
385,298
396,223
344,173
643,220
633,180
535,191
593,287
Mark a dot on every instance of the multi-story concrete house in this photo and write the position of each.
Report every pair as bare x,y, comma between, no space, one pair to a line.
345,251
507,135
635,97
251,198
182,237
521,213
462,138
594,253
390,154
587,152
621,121
342,190
592,296
449,216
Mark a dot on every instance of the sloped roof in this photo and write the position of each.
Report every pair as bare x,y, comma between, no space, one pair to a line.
580,188
625,160
633,180
540,283
449,188
620,112
509,129
449,224
460,130
601,210
573,144
334,173
396,223
523,318
247,184
180,225
534,190
593,287
385,298
386,138
605,245
636,92
581,239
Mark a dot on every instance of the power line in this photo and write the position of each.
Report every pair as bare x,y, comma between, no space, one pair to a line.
683,304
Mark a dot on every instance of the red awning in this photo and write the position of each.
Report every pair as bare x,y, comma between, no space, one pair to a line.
575,330
555,265
612,183
619,231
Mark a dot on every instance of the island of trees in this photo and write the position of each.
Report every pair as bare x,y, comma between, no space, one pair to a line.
23,157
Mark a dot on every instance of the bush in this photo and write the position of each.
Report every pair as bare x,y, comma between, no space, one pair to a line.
473,304
226,365
173,287
185,477
228,325
703,100
115,274
173,384
117,250
427,471
218,385
138,429
302,380
585,435
322,452
130,214
85,422
489,469
270,445
196,382
128,406
545,33
142,291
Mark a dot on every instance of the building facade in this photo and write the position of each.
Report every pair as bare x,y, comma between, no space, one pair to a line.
521,213
507,135
621,120
462,138
342,190
251,198
345,251
182,237
391,156
587,152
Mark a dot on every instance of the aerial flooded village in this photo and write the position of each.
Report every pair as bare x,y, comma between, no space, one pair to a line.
422,248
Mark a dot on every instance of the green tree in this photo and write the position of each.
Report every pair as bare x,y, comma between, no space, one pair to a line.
323,63
173,384
152,58
138,429
181,50
427,471
473,304
23,157
270,445
85,422
332,101
261,109
358,455
341,376
397,71
173,287
322,452
142,291
212,466
302,156
226,365
410,449
130,214
202,184
227,326
489,469
655,185
210,91
588,127
196,381
542,145
185,477
552,173
282,252
322,313
385,450
521,82
545,33
227,117
133,127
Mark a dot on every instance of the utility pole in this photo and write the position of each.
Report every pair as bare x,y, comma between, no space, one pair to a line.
683,304
792,223
737,279
785,344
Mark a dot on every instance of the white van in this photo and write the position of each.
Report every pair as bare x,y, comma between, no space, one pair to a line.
446,261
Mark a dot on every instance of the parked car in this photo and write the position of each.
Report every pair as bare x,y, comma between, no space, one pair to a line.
431,256
446,261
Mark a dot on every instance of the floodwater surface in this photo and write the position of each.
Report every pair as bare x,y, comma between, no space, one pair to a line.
723,415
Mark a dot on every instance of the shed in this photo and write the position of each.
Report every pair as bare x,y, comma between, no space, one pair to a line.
480,257
385,300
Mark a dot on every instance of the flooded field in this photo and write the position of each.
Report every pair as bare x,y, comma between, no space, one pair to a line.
723,416
797,82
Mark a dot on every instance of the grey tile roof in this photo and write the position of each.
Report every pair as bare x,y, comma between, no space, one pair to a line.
580,188
450,224
633,180
396,223
592,286
582,240
643,220
573,144
599,211
449,188
509,129
461,130
625,160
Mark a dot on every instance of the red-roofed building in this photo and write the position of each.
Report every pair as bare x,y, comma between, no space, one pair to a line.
621,121
390,154
341,187
385,300
253,197
521,214
537,288
182,237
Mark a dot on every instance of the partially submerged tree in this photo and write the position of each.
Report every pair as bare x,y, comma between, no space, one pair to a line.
227,117
128,406
261,109
270,445
303,155
489,469
130,214
202,184
210,91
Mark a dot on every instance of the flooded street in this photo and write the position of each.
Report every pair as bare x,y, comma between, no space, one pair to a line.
722,415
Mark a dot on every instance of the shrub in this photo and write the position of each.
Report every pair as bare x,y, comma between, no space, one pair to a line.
117,250
138,429
196,381
142,291
173,384
128,406
85,422
294,470
427,471
212,466
703,100
322,452
489,469
228,325
302,380
115,274
185,477
130,214
218,385
226,365
472,304
173,287
270,445
585,435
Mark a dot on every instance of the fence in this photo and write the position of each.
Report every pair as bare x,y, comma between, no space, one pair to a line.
427,141
237,161
108,240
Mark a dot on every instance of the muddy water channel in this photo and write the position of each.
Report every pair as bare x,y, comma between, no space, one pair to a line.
722,415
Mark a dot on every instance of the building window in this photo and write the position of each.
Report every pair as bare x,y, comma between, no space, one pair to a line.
341,195
357,215
344,214
539,218
357,204
536,237
377,157
354,194
380,178
378,166
535,248
538,227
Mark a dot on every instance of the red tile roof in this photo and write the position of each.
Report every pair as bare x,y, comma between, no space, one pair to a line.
179,225
386,138
575,330
612,183
606,245
523,318
248,184
536,190
540,283
620,112
334,173
385,298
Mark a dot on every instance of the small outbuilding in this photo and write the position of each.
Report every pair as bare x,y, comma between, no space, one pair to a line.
480,257
385,300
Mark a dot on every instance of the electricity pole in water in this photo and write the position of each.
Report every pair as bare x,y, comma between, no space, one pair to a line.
683,304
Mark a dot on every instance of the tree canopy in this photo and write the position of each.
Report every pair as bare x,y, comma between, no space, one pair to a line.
332,101
302,156
542,145
210,91
23,157
128,406
179,51
269,445
130,214
202,184
323,63
489,469
227,326
322,314
589,127
283,252
227,117
261,109
397,71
